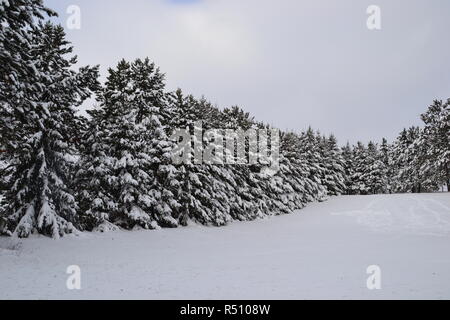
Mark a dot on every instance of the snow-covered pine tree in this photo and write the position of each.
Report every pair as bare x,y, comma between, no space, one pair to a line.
359,183
310,155
299,189
407,174
239,191
39,197
184,117
236,118
334,178
398,163
5,168
126,170
94,174
17,80
252,198
19,77
387,171
205,195
433,146
320,146
155,114
374,173
180,106
347,155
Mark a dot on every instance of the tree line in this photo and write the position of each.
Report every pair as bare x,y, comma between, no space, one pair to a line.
61,172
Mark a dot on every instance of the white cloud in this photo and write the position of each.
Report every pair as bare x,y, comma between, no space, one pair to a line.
290,63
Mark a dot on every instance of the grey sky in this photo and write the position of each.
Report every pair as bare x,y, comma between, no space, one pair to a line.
290,63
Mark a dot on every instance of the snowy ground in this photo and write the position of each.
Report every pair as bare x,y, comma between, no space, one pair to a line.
322,251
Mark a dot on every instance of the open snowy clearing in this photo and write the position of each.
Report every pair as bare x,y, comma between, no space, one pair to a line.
320,252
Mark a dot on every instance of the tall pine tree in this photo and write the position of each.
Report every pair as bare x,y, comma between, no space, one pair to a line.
39,196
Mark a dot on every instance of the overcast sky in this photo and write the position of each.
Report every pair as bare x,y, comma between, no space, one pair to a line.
290,63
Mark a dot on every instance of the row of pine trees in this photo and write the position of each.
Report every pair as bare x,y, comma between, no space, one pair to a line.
61,172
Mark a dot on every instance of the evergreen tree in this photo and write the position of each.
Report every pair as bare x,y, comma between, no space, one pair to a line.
294,172
334,167
347,155
207,193
126,169
311,156
387,171
18,78
374,171
20,85
39,196
359,183
407,175
433,146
